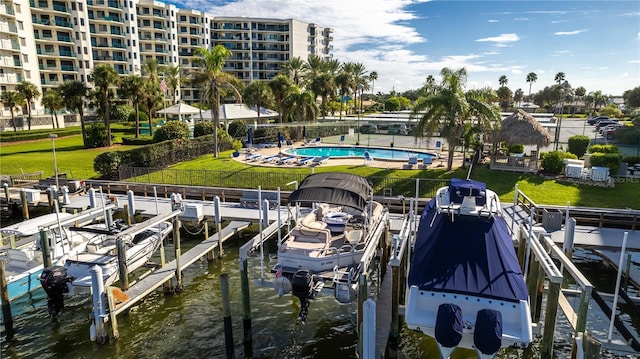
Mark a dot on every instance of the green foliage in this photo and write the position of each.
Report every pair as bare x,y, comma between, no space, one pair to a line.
631,160
237,129
237,145
97,135
203,128
37,134
142,140
632,97
392,104
578,145
611,160
612,111
172,130
159,154
628,135
143,117
516,149
604,149
552,162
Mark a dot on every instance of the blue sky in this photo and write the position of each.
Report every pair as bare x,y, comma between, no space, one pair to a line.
595,43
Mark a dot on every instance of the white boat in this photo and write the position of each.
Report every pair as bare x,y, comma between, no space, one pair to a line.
103,252
24,262
330,241
465,285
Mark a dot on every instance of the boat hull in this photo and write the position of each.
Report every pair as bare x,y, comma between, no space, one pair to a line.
422,309
25,282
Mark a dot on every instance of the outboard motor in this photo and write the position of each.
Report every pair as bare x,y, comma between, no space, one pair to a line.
487,335
449,328
54,281
302,284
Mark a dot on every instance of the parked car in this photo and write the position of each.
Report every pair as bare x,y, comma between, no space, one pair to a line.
604,123
397,129
368,128
594,120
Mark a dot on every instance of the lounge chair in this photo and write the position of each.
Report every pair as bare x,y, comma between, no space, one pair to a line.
319,160
426,162
413,161
317,141
252,157
270,158
367,158
342,139
305,161
287,160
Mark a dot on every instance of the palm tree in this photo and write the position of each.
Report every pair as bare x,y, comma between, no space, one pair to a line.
301,106
373,77
518,96
53,101
103,77
531,78
343,84
559,77
150,69
449,107
133,89
503,80
258,94
280,87
30,92
153,97
74,93
214,81
294,68
14,101
173,79
580,93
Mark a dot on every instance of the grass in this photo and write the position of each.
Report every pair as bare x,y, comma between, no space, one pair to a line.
77,162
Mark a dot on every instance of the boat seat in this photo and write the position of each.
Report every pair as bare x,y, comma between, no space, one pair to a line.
310,221
468,205
353,236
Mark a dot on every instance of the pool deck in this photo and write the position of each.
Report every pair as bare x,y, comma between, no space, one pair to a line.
383,141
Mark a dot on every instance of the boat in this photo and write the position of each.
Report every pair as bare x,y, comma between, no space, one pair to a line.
24,262
465,285
331,240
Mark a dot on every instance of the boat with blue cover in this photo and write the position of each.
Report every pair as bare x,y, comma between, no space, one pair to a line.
465,285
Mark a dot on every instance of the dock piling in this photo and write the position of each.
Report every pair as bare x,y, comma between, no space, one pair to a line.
369,329
226,312
178,253
98,331
50,199
25,204
362,297
246,309
6,305
122,264
218,217
44,244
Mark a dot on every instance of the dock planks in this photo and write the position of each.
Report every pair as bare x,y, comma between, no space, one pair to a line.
153,281
383,314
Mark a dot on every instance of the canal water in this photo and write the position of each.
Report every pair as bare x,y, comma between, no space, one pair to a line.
190,324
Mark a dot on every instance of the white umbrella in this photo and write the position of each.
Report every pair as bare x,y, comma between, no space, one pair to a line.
238,111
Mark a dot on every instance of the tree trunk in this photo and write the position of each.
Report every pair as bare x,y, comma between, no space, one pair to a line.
29,115
138,122
13,121
107,119
82,126
56,116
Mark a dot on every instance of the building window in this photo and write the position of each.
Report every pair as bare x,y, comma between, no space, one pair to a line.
79,6
81,22
85,50
73,5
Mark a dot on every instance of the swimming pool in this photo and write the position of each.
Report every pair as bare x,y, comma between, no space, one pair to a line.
347,152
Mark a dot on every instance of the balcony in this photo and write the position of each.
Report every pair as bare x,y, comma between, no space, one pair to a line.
60,8
116,32
161,50
158,13
67,53
8,10
158,26
63,23
114,4
17,63
37,21
63,38
119,58
118,45
68,68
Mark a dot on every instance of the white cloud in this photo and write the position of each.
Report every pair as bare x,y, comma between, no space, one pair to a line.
492,20
575,32
500,38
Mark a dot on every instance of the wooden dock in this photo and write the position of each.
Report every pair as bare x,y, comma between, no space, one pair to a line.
153,281
383,314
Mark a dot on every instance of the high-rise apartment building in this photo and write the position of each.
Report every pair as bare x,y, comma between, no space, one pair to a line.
48,42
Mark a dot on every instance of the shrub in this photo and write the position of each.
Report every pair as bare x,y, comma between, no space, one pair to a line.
107,164
516,149
611,160
628,135
237,129
237,145
604,149
552,162
97,135
172,130
578,145
143,117
120,113
203,128
142,140
631,160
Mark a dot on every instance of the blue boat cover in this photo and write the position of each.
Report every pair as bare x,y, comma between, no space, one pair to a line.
460,188
487,336
469,255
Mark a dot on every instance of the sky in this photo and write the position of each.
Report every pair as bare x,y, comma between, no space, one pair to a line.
596,44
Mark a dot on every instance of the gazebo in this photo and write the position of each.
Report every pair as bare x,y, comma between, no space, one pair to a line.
520,128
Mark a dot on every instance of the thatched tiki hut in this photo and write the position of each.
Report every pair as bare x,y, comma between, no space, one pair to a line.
520,128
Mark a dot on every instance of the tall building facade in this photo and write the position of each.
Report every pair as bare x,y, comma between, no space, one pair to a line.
47,42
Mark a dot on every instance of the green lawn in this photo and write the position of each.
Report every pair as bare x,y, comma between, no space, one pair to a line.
78,163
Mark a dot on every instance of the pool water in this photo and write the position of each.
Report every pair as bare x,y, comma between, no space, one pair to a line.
347,151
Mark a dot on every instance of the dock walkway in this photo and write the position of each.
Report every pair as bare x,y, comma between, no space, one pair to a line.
383,314
153,281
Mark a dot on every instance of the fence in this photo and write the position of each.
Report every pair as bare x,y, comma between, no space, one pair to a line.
407,187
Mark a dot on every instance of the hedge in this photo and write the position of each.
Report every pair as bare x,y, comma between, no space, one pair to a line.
611,160
604,149
553,162
159,154
10,136
578,145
